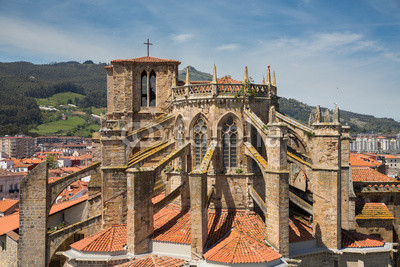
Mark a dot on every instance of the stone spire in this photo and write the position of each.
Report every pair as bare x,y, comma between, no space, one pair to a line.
272,118
246,74
268,75
317,117
273,79
214,79
263,81
336,114
187,76
327,116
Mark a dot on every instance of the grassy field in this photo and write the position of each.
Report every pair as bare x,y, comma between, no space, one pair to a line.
98,111
87,131
59,99
59,127
78,123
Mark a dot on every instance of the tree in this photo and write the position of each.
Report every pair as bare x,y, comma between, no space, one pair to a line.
52,161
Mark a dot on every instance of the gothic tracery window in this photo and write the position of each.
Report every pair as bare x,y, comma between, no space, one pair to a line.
229,141
200,141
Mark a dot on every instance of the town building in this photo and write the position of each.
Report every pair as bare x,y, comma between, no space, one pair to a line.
18,146
9,184
366,143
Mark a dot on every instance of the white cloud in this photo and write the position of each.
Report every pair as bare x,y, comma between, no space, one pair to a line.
28,37
228,47
181,38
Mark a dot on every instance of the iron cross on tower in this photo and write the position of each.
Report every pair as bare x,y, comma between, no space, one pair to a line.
148,45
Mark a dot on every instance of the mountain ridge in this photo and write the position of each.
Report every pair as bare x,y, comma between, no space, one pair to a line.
29,80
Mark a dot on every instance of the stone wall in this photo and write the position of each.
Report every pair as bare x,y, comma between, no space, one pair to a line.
382,228
326,157
34,207
140,210
8,255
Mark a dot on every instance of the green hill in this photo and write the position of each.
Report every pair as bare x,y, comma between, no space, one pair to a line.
24,86
195,75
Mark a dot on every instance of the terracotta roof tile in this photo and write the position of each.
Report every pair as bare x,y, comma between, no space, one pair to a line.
146,60
157,198
13,235
238,247
375,211
227,79
226,229
361,160
299,231
357,240
365,174
6,204
9,223
72,190
389,156
111,239
67,204
172,225
154,261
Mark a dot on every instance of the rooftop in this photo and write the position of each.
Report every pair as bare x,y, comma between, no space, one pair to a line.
146,59
360,160
9,223
357,240
375,211
153,261
227,230
111,239
6,204
366,174
67,204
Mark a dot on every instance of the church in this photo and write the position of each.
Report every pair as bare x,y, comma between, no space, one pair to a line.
205,173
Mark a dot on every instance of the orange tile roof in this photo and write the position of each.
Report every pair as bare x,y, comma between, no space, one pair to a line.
366,174
238,247
67,204
360,160
200,82
157,198
375,211
391,156
13,235
111,239
146,60
9,223
6,204
299,231
357,240
227,79
173,226
225,229
74,188
154,261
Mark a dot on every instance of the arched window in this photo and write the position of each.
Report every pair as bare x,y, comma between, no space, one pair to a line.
144,89
152,89
180,134
200,141
229,141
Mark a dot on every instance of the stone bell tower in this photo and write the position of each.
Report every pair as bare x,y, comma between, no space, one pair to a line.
137,90
139,86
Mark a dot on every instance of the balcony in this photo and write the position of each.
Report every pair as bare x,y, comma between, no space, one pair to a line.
229,90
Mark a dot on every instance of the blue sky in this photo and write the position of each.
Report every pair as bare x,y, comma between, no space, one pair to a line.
323,52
